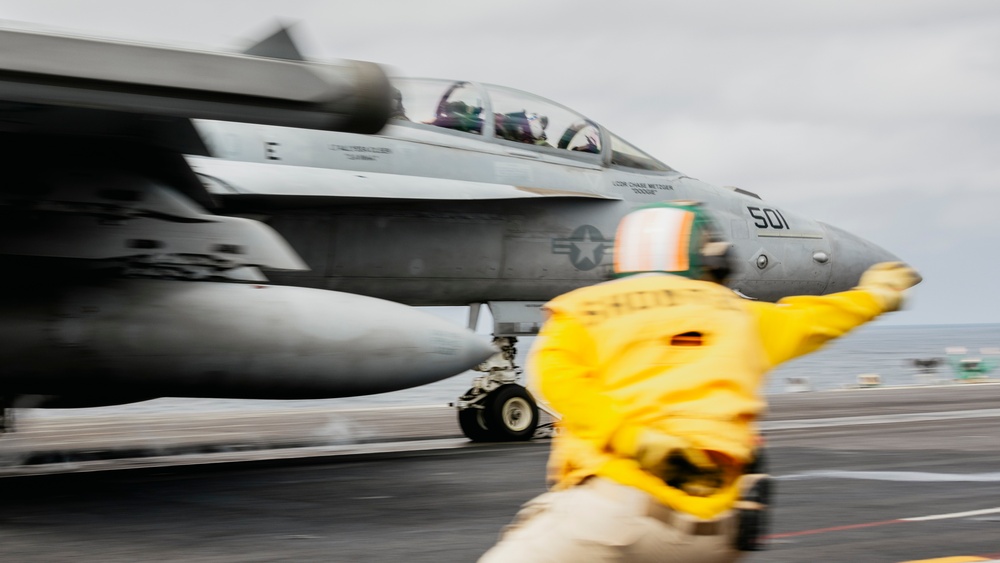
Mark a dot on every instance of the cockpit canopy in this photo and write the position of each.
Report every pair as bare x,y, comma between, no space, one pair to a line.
513,116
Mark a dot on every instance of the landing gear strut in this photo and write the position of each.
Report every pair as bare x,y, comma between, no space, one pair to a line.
498,408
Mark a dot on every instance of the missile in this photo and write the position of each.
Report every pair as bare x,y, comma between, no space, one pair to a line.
135,339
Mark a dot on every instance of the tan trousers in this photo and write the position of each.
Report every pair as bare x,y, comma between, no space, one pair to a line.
600,520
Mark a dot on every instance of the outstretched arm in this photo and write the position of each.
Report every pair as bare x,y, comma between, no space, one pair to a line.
798,325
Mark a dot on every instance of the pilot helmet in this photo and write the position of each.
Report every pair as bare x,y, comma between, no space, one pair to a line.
678,237
537,124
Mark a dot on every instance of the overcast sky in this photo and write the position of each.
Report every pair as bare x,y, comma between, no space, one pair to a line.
881,117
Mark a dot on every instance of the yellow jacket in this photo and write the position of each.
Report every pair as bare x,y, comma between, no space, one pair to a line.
680,356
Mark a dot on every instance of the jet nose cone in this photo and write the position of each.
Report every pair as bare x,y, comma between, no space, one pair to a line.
850,256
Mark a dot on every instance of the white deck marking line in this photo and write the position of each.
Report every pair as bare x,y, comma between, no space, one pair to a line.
884,523
192,459
895,476
877,419
952,515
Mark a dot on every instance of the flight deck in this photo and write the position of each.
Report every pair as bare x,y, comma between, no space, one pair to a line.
883,475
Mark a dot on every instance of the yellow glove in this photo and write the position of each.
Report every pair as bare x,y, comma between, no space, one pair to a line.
887,281
659,453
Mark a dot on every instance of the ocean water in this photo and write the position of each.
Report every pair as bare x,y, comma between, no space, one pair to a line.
887,351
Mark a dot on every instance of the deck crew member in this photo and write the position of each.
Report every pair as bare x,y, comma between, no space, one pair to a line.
657,375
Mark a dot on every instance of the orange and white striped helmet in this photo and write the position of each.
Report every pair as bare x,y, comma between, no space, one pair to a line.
677,237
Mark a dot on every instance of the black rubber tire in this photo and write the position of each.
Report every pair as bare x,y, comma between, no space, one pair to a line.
759,462
472,421
753,525
511,414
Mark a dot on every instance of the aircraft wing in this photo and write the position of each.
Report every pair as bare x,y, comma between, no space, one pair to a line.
68,71
93,132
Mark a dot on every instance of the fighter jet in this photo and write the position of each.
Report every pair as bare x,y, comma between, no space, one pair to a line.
471,194
477,193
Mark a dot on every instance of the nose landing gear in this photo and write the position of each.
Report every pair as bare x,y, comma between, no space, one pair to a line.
498,408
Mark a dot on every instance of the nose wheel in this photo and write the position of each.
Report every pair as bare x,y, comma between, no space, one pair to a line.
506,414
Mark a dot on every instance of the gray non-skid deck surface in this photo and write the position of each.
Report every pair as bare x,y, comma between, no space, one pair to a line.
844,483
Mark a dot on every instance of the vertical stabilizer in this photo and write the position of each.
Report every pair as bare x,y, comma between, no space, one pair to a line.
279,45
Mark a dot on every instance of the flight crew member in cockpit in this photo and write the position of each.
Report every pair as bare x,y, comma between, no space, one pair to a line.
522,127
397,111
658,375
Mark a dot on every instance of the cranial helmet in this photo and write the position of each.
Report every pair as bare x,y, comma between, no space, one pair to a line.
676,237
537,124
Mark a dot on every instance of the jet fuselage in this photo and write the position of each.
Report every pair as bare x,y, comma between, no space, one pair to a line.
434,211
